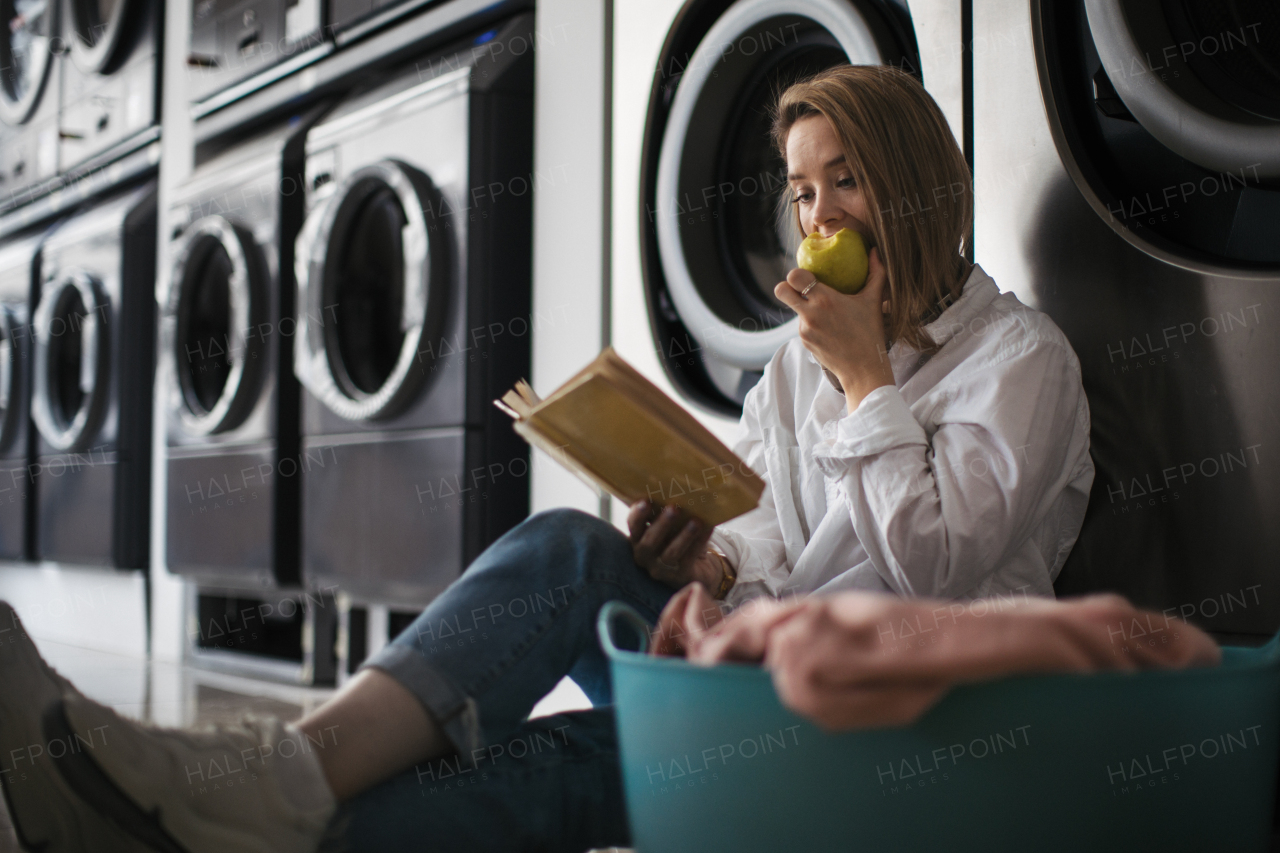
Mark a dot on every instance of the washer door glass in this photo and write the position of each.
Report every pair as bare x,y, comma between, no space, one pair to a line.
1167,113
72,362
372,280
215,309
24,55
365,286
719,234
97,29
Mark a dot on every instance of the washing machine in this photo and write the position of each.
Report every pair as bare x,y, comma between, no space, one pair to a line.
19,269
413,270
91,385
1127,163
233,40
226,364
110,98
700,238
30,81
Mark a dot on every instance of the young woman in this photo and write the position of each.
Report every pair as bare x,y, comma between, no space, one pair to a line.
927,436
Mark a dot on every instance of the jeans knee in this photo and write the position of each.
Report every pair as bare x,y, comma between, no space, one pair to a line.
580,541
573,523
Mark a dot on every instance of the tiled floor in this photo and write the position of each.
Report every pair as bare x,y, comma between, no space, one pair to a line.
177,695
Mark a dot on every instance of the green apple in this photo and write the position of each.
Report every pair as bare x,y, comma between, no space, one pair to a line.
838,261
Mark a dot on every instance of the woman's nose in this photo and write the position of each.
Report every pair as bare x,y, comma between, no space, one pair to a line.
827,215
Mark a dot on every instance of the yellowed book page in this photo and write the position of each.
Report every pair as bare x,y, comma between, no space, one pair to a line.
635,385
635,453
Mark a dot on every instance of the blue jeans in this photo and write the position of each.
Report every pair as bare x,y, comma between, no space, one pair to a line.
479,657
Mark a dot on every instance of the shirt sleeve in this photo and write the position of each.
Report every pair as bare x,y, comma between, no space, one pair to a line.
938,514
753,542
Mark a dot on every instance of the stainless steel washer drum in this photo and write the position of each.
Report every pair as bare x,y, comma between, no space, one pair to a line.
685,166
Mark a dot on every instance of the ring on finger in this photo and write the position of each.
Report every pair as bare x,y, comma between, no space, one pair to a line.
811,286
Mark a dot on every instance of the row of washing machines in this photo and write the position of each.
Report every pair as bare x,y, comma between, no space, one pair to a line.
345,284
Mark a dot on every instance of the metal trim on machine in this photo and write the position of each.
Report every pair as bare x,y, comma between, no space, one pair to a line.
242,383
318,364
72,434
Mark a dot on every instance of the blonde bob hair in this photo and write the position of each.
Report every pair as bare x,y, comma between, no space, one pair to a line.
914,180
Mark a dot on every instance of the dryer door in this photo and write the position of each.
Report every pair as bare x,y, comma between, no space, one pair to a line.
717,232
26,28
72,361
217,300
99,30
12,385
372,272
1167,116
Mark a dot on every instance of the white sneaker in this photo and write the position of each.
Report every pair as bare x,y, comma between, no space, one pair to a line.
256,787
47,815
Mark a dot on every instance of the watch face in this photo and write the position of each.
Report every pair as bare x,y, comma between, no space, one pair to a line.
23,45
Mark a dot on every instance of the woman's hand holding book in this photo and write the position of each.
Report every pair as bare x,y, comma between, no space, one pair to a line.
671,546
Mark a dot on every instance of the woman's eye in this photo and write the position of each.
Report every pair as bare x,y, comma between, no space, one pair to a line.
847,183
801,198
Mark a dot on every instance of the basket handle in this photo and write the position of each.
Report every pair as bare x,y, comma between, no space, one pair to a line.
611,612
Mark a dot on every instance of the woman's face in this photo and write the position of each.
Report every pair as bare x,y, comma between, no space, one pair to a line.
823,187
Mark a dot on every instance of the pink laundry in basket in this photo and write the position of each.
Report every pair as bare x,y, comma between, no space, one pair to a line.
859,659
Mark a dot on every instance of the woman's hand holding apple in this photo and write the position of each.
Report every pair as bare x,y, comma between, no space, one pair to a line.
845,333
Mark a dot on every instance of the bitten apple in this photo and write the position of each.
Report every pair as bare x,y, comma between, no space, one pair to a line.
838,261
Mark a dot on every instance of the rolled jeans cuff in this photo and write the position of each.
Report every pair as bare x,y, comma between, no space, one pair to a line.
452,709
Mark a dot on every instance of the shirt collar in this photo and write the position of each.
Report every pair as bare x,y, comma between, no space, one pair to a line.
978,292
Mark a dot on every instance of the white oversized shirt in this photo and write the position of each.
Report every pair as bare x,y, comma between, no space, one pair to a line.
967,478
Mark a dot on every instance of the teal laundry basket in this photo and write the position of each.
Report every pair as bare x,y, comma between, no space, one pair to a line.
1151,761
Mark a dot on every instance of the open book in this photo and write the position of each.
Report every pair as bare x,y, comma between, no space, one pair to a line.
619,432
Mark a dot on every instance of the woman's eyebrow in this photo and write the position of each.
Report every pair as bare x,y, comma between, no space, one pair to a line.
834,161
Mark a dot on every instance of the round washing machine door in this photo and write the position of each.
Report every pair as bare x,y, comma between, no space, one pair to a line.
216,305
1225,113
71,374
1167,115
372,281
11,373
717,231
98,30
27,28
